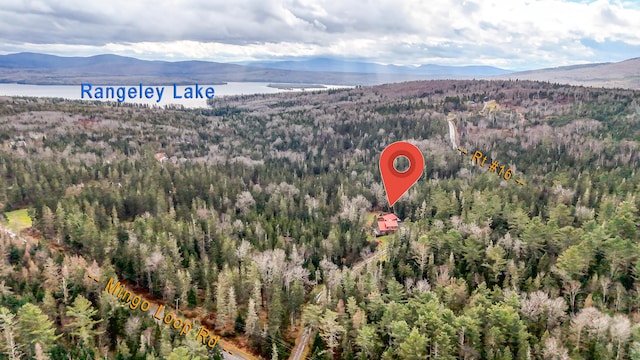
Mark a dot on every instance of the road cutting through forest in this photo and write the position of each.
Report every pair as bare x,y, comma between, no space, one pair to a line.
307,334
156,310
229,350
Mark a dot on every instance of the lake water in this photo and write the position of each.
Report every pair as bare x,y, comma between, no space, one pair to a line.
73,92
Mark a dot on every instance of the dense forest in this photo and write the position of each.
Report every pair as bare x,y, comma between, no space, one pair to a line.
253,217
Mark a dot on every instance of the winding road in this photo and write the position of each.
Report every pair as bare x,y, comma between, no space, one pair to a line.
305,336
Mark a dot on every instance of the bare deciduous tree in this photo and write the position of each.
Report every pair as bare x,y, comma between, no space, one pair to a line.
51,273
553,350
244,201
620,331
270,264
151,264
241,252
442,279
537,306
39,353
8,333
421,252
591,320
572,288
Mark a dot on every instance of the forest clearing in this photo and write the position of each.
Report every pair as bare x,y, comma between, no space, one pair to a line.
18,220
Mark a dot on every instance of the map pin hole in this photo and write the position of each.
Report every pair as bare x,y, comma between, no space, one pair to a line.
401,164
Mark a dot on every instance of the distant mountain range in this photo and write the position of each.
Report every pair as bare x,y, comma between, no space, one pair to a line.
341,66
35,68
623,74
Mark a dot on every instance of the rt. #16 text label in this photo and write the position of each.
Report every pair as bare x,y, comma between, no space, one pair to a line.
480,160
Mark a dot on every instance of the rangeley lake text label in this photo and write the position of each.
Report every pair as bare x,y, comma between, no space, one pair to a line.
124,93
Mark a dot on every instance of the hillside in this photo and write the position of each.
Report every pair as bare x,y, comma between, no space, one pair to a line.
253,218
334,65
624,74
33,68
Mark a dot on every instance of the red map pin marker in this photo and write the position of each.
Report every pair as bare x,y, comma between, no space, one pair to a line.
397,183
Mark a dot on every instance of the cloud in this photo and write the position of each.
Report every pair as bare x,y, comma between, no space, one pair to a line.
514,34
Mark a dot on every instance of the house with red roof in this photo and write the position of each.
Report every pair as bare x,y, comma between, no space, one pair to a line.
385,224
161,157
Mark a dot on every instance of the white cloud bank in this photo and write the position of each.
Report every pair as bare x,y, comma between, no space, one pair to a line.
514,34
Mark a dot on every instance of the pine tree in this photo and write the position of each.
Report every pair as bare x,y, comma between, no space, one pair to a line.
181,353
59,221
421,251
414,347
48,223
49,304
232,305
123,350
82,325
330,329
194,347
275,312
222,304
257,294
34,327
367,340
251,325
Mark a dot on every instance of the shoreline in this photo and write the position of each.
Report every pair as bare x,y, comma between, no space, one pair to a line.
291,86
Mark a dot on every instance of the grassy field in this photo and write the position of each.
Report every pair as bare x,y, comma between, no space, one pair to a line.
18,220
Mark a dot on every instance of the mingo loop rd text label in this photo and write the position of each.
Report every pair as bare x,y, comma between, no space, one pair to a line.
124,93
114,287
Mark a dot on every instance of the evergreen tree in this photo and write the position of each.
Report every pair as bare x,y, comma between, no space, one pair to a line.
252,325
82,325
367,341
34,327
331,330
232,305
222,301
414,347
181,353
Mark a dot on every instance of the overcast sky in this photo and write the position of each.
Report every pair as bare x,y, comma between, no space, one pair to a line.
512,34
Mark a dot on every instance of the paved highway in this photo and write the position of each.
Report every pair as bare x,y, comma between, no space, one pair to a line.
229,354
301,344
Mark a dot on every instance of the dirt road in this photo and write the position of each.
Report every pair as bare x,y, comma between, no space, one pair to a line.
306,335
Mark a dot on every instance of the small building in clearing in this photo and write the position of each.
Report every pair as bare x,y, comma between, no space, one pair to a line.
161,157
385,224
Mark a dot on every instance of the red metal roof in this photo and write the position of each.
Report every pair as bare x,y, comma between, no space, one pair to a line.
390,217
382,225
387,222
